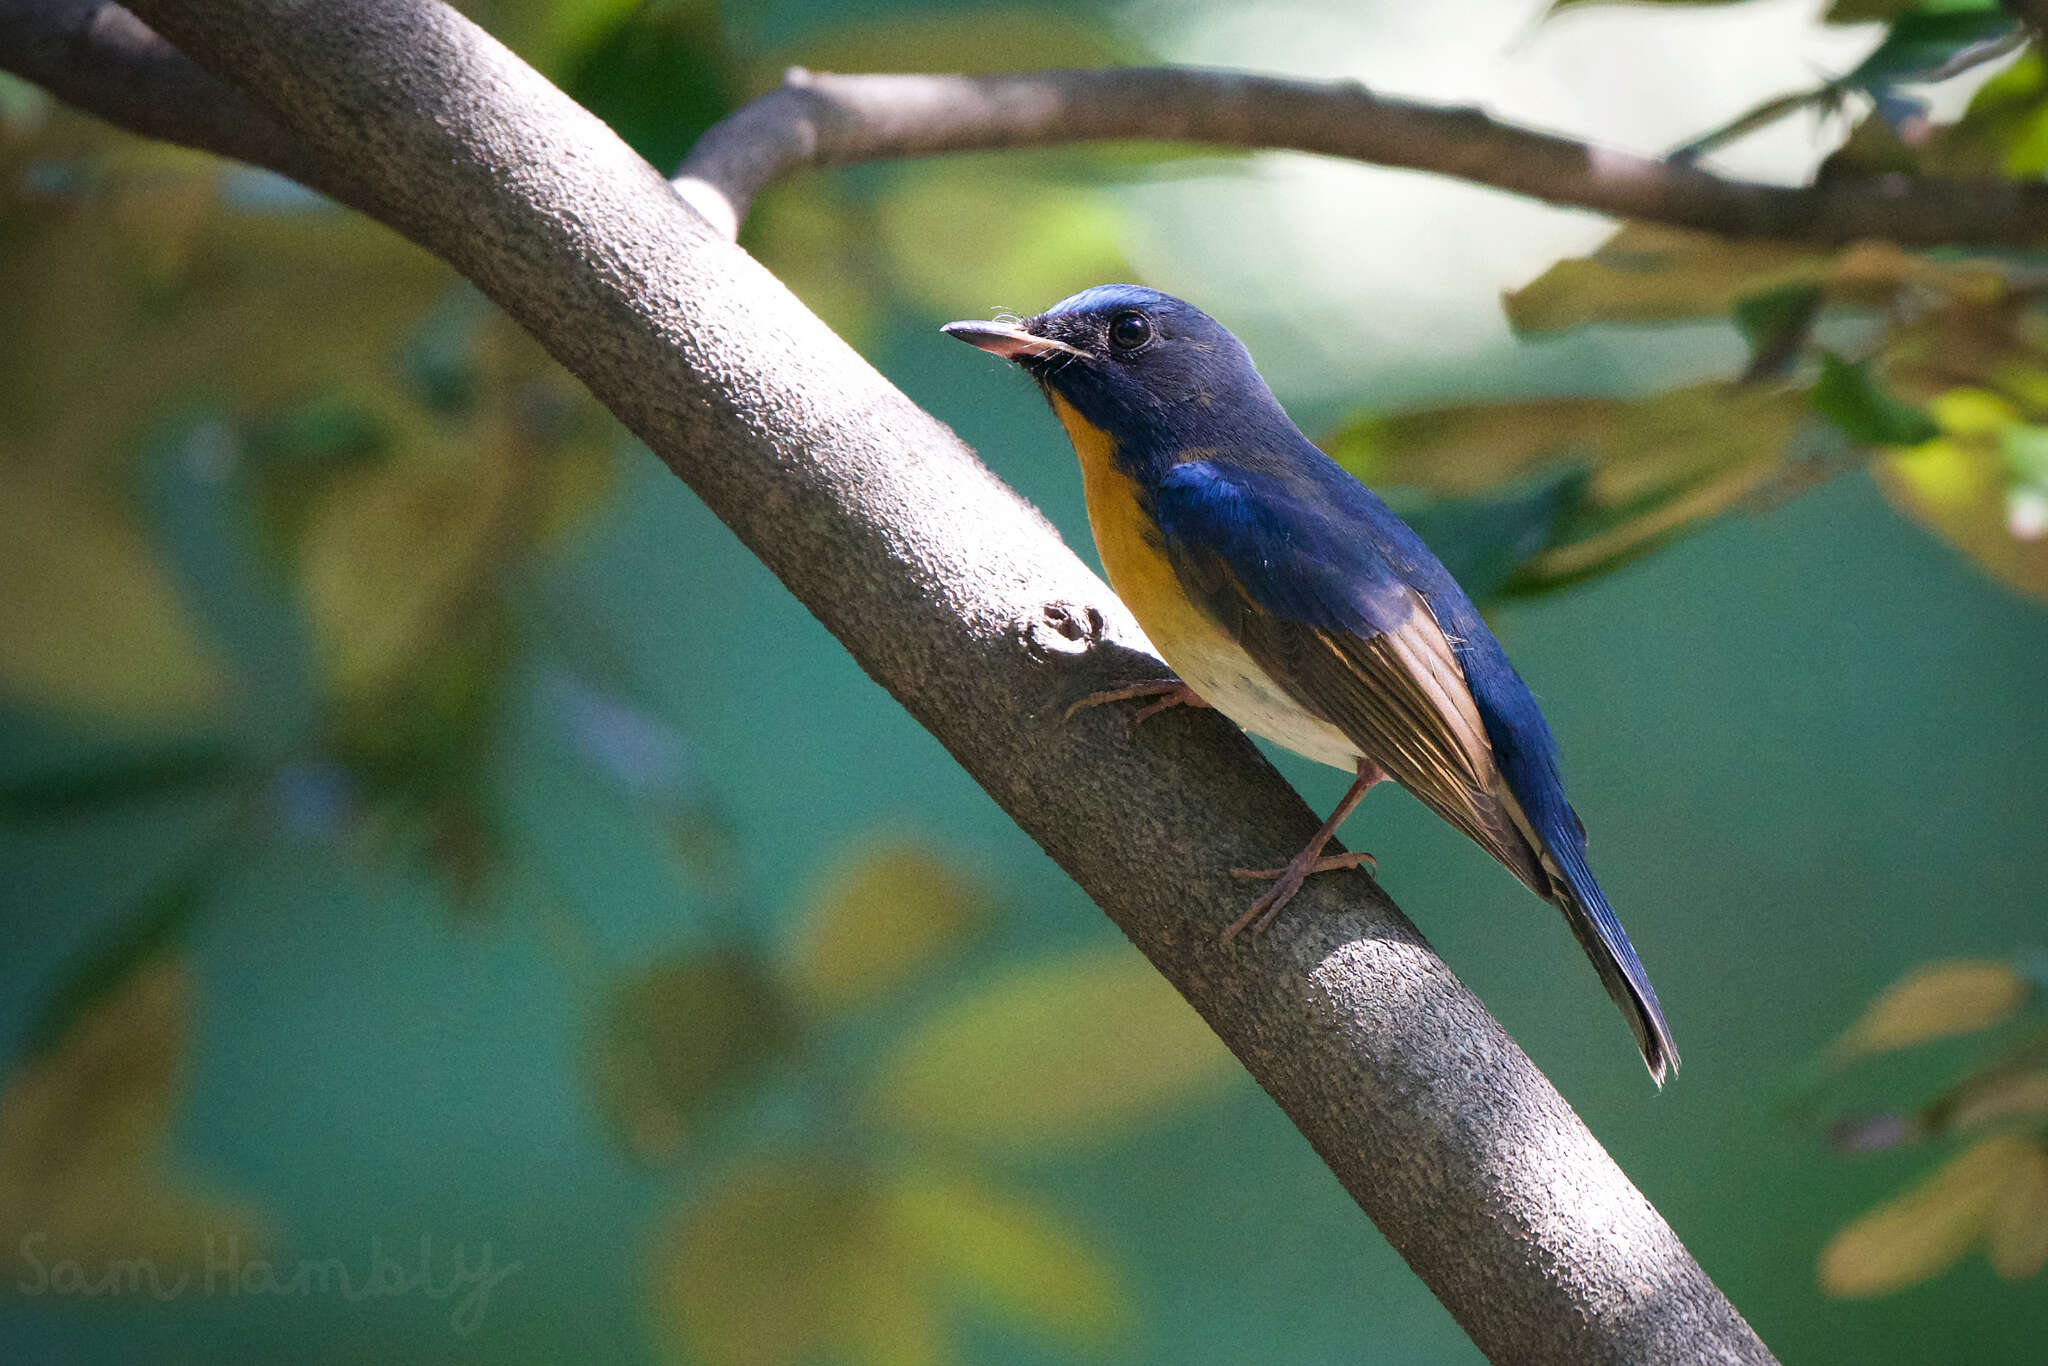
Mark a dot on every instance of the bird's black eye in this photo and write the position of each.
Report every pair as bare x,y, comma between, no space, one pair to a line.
1129,331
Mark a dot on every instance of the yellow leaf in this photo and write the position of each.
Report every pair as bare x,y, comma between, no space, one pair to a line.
1956,487
1990,1100
875,918
1061,1051
1011,1255
394,554
671,1036
2018,1246
1965,411
788,1262
1921,1233
1650,273
1472,447
1935,1001
86,1196
88,620
1635,447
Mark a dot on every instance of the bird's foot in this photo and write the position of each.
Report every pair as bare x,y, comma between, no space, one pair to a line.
1171,692
1286,882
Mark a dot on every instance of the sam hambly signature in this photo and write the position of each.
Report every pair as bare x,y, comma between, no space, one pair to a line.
456,1272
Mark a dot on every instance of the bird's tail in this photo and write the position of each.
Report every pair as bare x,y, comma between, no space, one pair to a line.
1600,935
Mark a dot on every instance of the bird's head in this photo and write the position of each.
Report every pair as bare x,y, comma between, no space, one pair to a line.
1140,366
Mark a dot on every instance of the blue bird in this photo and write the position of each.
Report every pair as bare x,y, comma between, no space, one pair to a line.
1289,597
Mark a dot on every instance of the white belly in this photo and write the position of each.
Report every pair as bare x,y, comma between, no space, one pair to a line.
1242,691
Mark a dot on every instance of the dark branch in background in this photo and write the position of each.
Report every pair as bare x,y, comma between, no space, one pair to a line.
825,120
960,600
99,57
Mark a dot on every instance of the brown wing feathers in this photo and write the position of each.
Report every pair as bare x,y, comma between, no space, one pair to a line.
1400,696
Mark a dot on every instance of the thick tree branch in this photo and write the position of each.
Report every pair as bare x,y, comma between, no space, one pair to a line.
826,120
960,600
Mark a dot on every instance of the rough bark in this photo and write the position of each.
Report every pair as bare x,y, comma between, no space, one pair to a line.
961,601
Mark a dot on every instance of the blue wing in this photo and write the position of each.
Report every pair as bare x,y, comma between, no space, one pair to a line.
1345,608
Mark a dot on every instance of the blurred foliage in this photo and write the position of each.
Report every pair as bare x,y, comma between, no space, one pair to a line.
876,920
85,1188
291,556
850,1244
1993,1193
1929,368
286,560
984,1070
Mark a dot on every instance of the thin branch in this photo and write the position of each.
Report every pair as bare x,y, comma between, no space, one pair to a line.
958,598
814,119
98,56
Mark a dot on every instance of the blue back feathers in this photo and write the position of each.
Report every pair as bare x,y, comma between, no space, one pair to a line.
1224,473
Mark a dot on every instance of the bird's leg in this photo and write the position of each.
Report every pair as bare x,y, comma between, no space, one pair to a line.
1311,859
1171,692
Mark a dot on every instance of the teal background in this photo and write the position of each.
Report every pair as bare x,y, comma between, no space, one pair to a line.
1803,743
1806,742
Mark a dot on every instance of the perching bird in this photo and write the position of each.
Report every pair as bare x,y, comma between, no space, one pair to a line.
1289,597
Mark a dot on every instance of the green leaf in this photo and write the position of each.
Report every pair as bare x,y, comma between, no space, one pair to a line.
141,938
423,735
1061,1051
1935,1001
876,918
1775,323
1866,11
1849,396
660,77
1008,1254
1921,1233
329,432
84,788
672,1039
1920,41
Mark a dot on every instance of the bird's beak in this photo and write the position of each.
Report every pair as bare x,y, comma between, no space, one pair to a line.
1008,341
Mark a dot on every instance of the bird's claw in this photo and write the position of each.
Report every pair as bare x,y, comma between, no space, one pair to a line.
1287,881
1171,692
